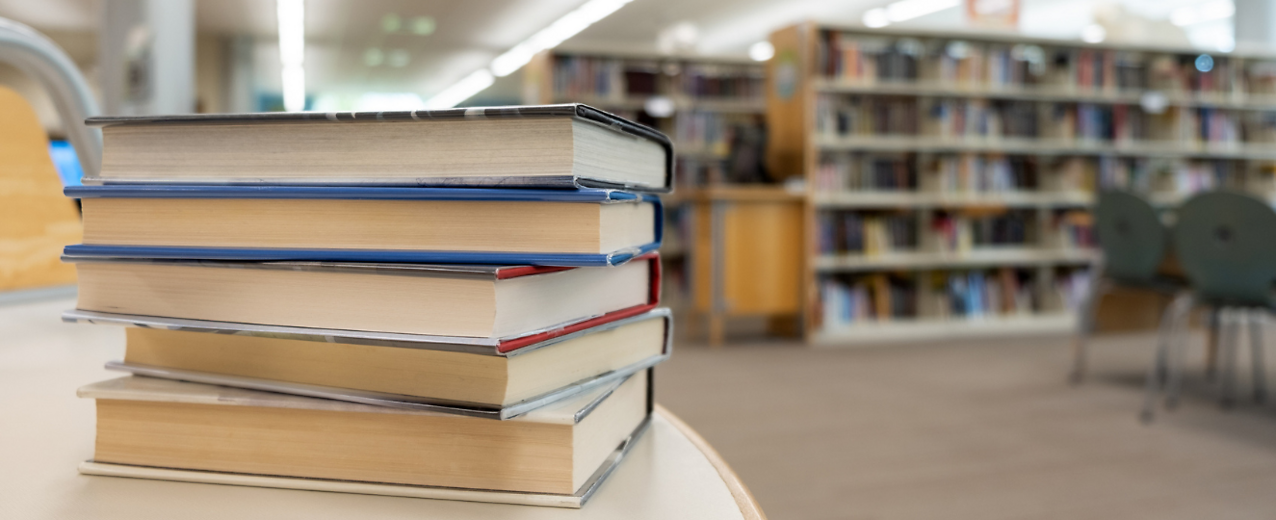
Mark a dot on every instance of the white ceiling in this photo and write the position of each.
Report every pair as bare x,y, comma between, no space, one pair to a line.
471,32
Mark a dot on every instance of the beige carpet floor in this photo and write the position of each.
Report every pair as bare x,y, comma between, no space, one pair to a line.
980,431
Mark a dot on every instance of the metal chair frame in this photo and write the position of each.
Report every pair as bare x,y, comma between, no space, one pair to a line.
1234,312
37,55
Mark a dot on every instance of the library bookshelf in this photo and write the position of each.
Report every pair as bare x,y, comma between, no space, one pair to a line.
697,101
701,103
949,176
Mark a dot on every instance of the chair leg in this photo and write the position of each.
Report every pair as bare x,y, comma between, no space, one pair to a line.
1177,358
1257,318
1085,327
1160,360
1228,339
1211,345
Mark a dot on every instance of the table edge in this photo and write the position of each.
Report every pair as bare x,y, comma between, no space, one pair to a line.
744,499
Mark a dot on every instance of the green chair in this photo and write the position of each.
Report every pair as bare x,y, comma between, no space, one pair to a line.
1134,243
1226,243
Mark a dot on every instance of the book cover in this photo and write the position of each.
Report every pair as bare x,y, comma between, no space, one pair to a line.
163,391
575,111
389,340
584,196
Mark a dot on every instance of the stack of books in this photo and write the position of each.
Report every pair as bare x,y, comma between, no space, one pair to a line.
454,304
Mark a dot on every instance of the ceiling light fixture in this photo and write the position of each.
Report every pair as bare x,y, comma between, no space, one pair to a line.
388,101
373,57
461,90
905,10
761,51
1093,33
292,52
398,58
423,26
569,25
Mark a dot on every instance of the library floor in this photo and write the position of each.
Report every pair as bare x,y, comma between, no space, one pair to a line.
971,431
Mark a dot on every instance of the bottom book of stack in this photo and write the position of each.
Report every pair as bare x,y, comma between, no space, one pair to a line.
557,455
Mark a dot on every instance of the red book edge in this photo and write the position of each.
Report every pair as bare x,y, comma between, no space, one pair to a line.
653,299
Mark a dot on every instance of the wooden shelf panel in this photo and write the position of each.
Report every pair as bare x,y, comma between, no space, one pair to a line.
979,34
928,144
913,331
935,260
1043,93
895,199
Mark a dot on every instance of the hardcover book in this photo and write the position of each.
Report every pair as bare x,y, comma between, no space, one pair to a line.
470,301
170,430
421,225
551,146
499,379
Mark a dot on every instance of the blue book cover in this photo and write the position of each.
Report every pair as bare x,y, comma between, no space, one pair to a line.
583,196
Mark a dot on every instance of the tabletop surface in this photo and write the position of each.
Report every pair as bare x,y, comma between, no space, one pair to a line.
45,432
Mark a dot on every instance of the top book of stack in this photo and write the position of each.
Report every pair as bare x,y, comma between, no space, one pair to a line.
551,146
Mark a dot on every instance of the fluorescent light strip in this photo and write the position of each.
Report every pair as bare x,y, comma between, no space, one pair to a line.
292,52
461,90
569,25
905,10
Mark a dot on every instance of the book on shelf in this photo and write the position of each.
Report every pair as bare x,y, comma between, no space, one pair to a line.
171,430
949,233
1011,228
1073,230
979,173
854,233
366,224
548,146
933,295
955,232
858,58
616,79
721,81
867,172
702,132
469,301
408,371
979,106
1071,289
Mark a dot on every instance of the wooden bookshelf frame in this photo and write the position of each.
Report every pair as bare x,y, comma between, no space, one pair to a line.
795,82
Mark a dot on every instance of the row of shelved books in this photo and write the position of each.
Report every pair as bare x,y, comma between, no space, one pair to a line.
954,173
856,58
852,232
860,233
951,118
617,79
722,81
990,174
1160,175
696,172
937,295
710,132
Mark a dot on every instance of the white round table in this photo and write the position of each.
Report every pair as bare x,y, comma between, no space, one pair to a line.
45,432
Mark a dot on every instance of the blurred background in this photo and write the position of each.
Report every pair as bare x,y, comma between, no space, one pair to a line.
925,254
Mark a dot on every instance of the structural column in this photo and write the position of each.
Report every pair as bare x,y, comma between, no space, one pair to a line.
147,63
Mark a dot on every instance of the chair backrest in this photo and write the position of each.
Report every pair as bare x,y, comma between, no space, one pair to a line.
1130,232
1226,243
